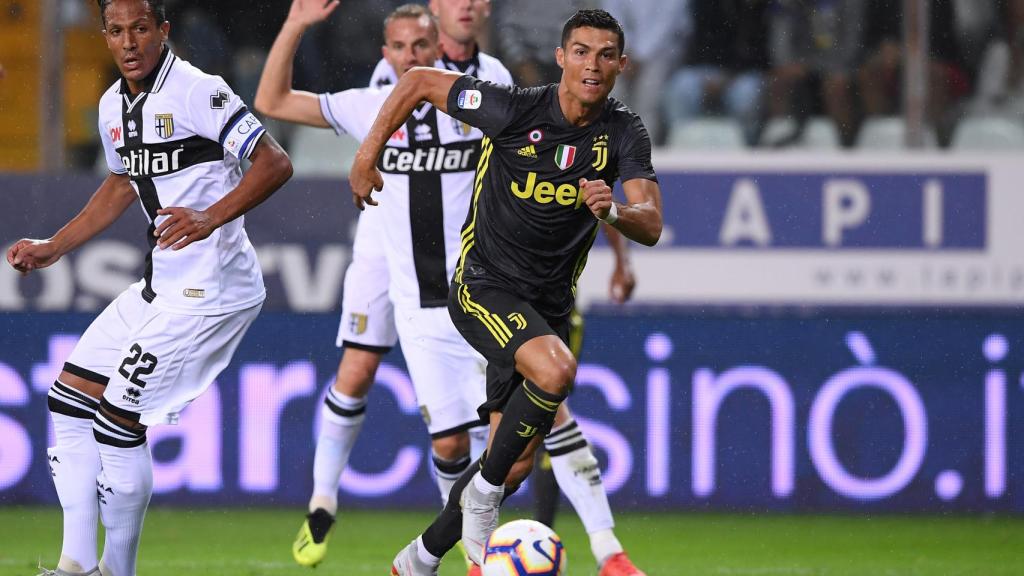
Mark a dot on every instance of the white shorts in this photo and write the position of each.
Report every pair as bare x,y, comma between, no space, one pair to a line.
449,376
157,362
367,316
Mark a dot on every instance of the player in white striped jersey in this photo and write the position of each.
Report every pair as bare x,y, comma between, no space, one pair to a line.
173,138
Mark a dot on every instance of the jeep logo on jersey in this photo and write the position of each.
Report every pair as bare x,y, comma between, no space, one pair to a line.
546,192
164,124
443,159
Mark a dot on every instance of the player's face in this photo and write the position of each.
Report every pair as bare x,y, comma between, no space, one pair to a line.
134,38
461,20
590,63
410,42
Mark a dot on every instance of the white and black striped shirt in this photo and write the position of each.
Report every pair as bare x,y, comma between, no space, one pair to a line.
181,140
428,167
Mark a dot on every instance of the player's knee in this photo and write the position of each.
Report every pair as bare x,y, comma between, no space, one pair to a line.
126,471
72,403
117,431
75,391
69,401
557,375
452,447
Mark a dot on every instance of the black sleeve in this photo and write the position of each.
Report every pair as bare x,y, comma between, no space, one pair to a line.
488,106
635,152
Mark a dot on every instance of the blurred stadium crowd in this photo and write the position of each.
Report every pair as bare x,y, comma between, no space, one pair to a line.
705,74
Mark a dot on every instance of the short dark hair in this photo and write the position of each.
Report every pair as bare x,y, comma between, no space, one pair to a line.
155,6
411,11
594,18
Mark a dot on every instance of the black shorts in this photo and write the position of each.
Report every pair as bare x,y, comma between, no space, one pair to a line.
496,323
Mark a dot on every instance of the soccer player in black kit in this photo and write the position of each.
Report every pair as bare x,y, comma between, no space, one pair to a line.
543,181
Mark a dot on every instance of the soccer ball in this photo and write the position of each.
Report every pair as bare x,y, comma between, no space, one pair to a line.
524,548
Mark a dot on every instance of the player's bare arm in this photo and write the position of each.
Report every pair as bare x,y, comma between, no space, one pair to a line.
111,199
270,169
639,219
415,86
623,281
275,96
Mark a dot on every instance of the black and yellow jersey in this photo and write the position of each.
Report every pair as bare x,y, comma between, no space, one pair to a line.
528,229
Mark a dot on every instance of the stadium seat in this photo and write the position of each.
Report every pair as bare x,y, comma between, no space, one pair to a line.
888,133
777,130
988,133
321,152
818,134
707,134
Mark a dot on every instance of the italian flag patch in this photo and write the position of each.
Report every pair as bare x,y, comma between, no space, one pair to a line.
564,156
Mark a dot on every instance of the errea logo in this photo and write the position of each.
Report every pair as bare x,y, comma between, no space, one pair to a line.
132,395
546,192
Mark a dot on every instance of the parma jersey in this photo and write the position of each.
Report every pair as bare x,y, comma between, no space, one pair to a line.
529,230
428,166
481,65
180,141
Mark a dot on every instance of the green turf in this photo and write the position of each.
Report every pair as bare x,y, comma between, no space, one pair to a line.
256,542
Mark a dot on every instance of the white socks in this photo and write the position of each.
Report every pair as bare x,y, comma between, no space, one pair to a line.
604,544
341,421
478,441
579,478
124,486
485,487
447,472
425,556
74,465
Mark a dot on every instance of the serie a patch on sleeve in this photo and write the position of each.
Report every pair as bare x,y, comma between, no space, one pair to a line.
470,99
242,136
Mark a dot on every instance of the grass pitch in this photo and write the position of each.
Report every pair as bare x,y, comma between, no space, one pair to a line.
228,542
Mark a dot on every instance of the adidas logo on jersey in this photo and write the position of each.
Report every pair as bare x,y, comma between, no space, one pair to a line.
528,152
546,192
141,163
432,159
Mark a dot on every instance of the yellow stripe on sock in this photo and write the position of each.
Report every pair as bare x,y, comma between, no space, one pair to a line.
542,403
